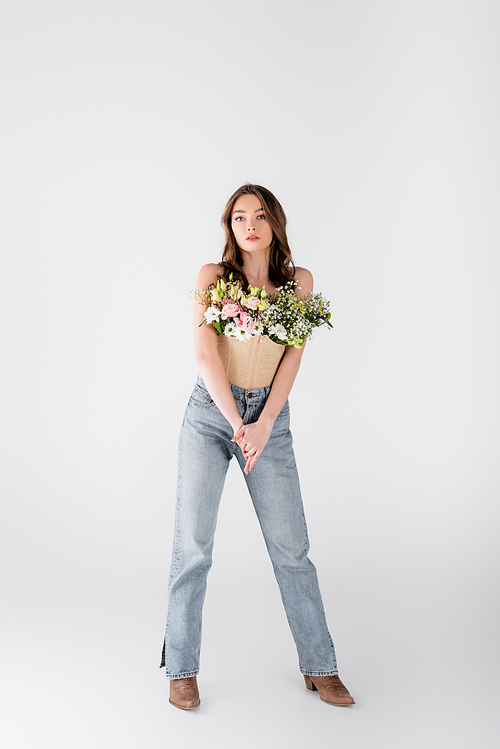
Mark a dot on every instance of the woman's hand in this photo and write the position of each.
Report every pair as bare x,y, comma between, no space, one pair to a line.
252,439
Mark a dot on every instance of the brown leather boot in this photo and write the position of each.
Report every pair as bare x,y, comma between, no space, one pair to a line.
184,693
330,688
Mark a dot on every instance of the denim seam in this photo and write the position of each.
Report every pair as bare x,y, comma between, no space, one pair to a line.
175,551
191,673
201,405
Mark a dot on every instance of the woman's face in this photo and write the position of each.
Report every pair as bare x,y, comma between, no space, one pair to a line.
249,224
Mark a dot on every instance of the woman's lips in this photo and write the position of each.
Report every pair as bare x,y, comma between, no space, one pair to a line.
252,239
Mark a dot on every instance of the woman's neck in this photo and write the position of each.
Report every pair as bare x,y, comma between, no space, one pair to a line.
256,268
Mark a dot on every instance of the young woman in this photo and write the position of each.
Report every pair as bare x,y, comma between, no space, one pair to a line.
239,407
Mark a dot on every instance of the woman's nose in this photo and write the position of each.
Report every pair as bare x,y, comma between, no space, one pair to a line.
251,227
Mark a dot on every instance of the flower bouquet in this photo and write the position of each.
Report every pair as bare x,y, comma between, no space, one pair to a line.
286,318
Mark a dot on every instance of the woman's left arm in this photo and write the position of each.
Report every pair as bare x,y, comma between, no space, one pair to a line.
252,438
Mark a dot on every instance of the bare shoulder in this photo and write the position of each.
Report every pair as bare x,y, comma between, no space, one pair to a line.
305,279
207,275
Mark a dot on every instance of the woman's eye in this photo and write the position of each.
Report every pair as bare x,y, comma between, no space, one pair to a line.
261,216
238,218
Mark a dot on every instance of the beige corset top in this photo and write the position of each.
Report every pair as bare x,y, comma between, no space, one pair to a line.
251,363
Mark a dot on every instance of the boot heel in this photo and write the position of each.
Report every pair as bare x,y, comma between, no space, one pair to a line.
309,683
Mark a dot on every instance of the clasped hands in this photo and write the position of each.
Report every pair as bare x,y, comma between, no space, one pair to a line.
252,439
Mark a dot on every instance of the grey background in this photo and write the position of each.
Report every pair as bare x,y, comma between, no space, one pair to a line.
125,128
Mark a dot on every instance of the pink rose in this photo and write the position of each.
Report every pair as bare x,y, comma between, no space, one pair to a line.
246,322
230,310
252,302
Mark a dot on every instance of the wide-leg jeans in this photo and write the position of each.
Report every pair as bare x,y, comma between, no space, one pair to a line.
205,449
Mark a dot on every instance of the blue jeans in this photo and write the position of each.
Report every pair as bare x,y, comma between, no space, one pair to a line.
205,449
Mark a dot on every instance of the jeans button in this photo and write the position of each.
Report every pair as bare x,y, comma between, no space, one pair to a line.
250,395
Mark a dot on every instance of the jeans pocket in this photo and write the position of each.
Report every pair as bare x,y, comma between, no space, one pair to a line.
201,397
285,411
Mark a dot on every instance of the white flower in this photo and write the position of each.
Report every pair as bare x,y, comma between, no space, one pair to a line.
242,334
229,329
212,315
279,331
258,328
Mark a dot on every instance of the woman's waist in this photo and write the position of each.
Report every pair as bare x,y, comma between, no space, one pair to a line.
247,395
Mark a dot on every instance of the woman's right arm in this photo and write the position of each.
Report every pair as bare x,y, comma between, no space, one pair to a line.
207,357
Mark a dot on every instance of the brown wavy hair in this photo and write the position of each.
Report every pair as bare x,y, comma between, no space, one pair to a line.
281,265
